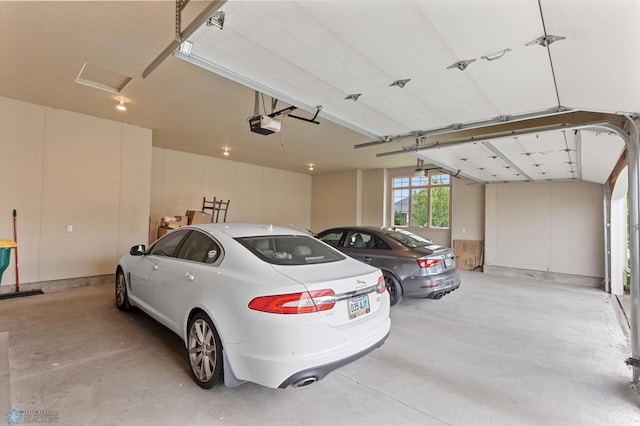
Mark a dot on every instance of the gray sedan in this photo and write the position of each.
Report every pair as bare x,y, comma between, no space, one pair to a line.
412,266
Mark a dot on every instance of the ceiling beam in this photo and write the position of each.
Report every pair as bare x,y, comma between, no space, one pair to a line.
182,36
504,158
462,126
540,124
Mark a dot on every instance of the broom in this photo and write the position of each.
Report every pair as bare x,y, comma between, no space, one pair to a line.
18,293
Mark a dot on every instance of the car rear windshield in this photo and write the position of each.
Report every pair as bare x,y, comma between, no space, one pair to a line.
290,249
407,238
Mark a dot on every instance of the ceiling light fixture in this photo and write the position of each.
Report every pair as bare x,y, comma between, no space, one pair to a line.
216,20
545,40
353,97
310,167
461,65
400,83
226,152
121,106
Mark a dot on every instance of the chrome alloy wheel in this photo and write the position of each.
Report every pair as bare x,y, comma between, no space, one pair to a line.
120,289
122,298
202,350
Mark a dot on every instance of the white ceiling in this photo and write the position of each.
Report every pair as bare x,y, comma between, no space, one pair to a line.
542,156
317,52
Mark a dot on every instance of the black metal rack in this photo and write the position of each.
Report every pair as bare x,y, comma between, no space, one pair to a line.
217,207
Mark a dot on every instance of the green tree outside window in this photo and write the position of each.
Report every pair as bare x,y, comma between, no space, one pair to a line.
422,201
440,207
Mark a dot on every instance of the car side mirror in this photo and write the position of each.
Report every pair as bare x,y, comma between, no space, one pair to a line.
137,250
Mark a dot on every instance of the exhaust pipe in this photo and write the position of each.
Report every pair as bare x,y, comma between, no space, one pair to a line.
304,382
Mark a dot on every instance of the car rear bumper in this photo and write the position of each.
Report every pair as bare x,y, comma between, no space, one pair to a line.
431,287
311,375
304,351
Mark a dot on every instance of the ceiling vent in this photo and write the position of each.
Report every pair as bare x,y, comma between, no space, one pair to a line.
103,79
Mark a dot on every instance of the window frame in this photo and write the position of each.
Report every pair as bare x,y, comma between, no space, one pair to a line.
410,187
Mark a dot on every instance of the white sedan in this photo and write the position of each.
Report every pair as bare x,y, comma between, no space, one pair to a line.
257,303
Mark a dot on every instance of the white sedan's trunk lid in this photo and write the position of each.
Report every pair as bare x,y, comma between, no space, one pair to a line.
354,285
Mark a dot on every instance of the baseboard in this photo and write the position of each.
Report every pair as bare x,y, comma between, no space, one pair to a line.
59,285
555,277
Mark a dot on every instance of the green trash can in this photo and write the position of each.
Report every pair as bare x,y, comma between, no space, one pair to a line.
5,254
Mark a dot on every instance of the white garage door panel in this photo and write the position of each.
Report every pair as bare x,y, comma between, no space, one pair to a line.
317,53
543,156
599,154
473,29
597,66
310,53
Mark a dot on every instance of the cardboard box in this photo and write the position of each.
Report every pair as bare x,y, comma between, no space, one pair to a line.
162,231
153,230
173,222
196,217
182,220
469,254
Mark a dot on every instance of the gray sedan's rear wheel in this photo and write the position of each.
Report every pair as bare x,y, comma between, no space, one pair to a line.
122,297
393,287
205,351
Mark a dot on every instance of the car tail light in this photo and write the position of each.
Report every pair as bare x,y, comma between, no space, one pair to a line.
381,288
428,263
295,303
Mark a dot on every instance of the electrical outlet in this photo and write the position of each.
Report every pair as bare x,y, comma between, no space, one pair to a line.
69,228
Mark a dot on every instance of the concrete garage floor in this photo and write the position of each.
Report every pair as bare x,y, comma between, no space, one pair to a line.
499,351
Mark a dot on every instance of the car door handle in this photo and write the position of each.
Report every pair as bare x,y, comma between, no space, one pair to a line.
189,277
367,259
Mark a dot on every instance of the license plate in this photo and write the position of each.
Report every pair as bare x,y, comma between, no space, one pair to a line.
359,306
448,263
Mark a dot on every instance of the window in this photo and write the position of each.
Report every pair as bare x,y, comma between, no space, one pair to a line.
290,249
407,238
188,245
166,246
198,247
422,200
358,239
353,239
332,238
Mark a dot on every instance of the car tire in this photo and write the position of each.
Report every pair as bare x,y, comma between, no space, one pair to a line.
393,287
204,351
122,296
